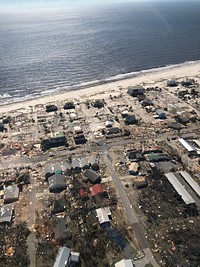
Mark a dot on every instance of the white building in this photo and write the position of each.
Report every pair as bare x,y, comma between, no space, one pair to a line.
103,214
125,263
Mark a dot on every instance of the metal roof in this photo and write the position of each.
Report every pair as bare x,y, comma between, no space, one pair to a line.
197,143
75,163
179,188
75,256
92,160
6,212
66,165
125,263
11,192
160,111
152,157
63,257
187,146
57,181
96,189
57,167
191,182
102,214
84,162
48,168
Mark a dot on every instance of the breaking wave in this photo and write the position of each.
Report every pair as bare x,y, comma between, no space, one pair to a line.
7,98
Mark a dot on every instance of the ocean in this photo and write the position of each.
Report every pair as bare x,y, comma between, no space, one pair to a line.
48,51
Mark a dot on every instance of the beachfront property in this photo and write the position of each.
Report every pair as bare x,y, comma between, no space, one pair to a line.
99,149
102,151
172,83
134,91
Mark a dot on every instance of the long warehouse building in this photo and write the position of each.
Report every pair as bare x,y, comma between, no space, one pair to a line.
186,145
179,188
191,182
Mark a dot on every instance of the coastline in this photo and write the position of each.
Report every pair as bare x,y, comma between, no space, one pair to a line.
144,77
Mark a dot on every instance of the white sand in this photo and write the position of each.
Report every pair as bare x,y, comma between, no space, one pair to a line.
189,70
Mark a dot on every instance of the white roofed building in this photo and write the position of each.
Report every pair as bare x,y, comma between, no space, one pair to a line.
186,145
180,189
125,263
103,214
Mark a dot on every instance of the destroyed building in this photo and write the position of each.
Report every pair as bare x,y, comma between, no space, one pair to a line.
48,171
133,168
134,155
6,212
135,91
67,168
84,163
61,231
57,168
172,83
11,194
98,104
76,165
147,102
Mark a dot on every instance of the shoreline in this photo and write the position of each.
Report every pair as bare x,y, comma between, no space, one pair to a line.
144,77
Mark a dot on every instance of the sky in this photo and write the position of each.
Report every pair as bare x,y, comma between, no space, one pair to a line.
57,3
43,2
51,2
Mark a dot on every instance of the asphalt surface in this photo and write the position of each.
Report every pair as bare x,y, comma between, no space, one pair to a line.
134,222
24,161
31,241
125,200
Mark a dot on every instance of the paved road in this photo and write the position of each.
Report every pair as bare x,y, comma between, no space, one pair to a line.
24,161
31,241
129,211
125,200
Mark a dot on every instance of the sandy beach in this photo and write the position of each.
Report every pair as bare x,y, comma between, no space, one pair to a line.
145,78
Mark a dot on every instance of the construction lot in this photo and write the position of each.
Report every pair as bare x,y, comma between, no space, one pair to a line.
91,175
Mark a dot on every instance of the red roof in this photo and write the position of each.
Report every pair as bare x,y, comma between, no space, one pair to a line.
96,189
83,193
